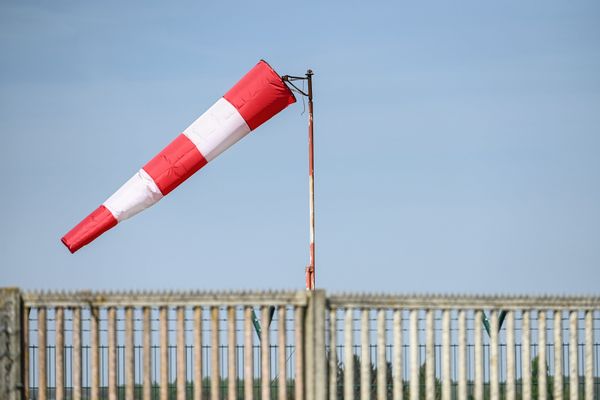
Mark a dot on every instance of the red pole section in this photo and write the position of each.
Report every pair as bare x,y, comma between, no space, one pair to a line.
256,98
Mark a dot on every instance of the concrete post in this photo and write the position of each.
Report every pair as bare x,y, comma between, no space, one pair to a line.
320,358
316,362
11,366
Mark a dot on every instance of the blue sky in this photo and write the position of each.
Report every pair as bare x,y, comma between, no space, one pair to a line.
456,145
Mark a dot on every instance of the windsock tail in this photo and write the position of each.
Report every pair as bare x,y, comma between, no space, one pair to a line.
257,97
89,229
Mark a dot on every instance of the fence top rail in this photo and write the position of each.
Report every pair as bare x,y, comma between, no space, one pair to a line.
469,302
104,299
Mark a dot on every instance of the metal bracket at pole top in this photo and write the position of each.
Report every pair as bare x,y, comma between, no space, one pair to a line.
291,78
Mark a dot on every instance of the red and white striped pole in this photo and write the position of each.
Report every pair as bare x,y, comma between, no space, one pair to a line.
310,270
257,97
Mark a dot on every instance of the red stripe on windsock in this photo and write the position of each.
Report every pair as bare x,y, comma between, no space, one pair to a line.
89,229
259,95
174,164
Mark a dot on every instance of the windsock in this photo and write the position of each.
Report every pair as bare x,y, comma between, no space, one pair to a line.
257,97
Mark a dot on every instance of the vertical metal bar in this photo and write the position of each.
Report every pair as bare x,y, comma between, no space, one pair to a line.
164,352
511,393
95,350
589,356
381,361
573,357
542,355
348,356
526,353
181,373
446,376
265,356
365,359
281,331
198,353
129,356
333,366
42,345
77,353
414,355
462,355
231,338
429,356
214,354
59,333
147,373
310,270
478,356
558,359
25,350
299,344
112,354
494,373
397,367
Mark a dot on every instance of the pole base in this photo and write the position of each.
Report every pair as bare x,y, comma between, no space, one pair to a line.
310,277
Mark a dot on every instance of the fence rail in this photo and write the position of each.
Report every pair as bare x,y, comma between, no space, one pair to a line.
296,345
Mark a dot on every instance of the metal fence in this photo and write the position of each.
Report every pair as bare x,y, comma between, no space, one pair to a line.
437,347
306,345
163,345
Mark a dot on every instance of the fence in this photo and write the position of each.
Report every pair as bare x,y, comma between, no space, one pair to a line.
296,345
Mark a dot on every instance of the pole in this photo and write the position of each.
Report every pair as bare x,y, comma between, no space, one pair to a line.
310,269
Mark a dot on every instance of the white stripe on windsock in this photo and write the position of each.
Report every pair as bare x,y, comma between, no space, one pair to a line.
217,129
137,194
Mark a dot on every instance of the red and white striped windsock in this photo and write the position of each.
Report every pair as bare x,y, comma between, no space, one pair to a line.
257,97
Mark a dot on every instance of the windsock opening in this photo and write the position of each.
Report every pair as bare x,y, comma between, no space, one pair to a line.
256,98
260,94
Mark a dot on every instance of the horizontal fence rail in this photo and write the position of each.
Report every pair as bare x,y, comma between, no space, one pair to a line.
302,345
